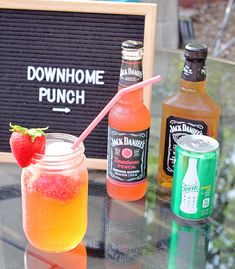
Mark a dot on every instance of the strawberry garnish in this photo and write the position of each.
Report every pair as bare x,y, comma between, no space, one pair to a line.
25,143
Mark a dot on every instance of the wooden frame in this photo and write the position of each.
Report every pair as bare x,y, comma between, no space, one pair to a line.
147,10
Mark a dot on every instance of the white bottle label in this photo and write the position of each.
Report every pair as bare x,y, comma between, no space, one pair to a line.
190,189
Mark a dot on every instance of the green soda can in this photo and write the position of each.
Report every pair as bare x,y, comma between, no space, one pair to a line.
194,177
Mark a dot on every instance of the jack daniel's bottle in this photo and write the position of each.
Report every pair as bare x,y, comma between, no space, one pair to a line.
188,111
128,132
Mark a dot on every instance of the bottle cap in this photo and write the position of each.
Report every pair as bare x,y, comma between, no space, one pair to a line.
195,51
132,50
132,44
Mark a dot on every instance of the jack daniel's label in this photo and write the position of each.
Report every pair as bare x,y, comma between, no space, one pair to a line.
194,71
175,128
130,73
127,155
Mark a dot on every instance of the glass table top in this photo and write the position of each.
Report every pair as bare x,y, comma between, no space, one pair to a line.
142,234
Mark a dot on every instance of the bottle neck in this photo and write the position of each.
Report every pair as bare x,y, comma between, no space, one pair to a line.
130,74
193,77
192,165
193,87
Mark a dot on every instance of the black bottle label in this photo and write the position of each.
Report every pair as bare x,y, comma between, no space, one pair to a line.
130,73
194,71
175,128
127,155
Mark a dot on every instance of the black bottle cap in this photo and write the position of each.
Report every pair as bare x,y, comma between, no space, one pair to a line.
195,51
132,44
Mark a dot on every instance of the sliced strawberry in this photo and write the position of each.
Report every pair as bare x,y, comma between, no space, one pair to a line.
55,186
25,143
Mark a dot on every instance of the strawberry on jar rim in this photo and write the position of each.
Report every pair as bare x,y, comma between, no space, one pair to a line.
25,143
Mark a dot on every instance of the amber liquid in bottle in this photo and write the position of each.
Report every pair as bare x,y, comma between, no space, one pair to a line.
189,111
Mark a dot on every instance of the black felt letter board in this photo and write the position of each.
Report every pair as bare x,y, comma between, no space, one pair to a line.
59,69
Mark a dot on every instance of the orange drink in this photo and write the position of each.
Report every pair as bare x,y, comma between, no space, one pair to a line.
129,115
54,196
128,131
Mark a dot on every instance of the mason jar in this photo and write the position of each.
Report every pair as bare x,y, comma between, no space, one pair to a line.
54,195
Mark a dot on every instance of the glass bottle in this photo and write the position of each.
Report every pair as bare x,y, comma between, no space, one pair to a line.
54,196
128,133
189,111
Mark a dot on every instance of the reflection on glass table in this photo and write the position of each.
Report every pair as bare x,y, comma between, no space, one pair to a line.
73,259
188,246
142,234
124,233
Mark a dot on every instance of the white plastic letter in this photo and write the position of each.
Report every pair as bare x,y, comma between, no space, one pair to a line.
50,73
39,73
70,75
61,96
42,93
31,73
70,96
80,98
99,77
90,78
79,76
51,97
60,75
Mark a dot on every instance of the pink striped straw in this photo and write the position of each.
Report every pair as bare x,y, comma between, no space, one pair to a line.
112,102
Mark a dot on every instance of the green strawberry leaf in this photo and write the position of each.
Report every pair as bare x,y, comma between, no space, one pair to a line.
33,132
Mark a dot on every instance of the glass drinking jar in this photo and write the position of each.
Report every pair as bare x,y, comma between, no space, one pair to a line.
54,196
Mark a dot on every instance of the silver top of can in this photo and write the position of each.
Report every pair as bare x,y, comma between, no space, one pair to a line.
198,143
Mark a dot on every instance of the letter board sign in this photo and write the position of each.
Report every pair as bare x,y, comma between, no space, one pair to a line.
60,63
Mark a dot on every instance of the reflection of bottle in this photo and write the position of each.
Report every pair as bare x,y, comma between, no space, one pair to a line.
128,133
188,245
190,188
73,259
189,111
124,232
